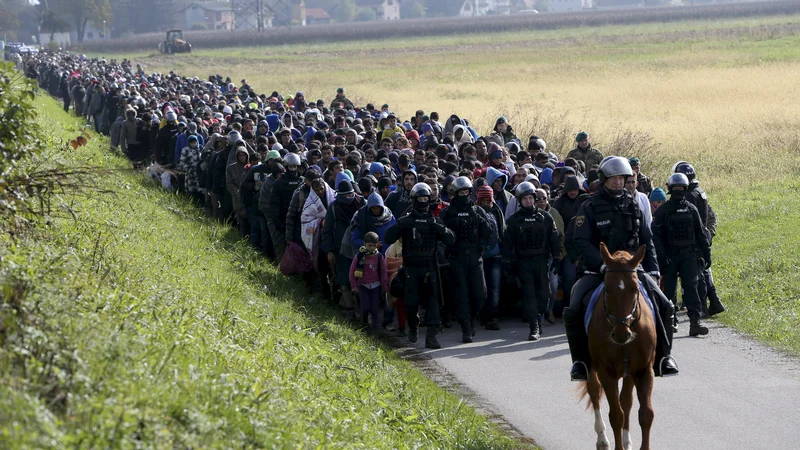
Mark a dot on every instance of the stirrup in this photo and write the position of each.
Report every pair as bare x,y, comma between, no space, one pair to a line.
661,362
585,367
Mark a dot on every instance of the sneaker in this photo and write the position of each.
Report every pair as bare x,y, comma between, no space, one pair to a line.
550,317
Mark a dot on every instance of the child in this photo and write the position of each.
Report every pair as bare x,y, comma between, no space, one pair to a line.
369,279
394,260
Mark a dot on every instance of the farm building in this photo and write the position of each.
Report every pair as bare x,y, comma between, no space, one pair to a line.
207,15
318,16
384,9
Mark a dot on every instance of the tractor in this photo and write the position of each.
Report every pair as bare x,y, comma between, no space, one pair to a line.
174,43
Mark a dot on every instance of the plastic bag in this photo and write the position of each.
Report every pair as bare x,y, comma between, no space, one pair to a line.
295,260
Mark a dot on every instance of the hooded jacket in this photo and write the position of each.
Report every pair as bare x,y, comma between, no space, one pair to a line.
234,175
566,206
364,222
503,197
399,200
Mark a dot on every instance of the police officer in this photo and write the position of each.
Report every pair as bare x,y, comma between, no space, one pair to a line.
612,216
531,238
421,233
471,228
697,196
681,240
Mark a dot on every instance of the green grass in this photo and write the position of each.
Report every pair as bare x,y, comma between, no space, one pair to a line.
757,259
140,324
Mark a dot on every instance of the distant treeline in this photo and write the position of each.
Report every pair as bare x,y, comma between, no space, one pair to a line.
445,26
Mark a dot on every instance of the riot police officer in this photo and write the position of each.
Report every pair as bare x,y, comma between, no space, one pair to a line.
471,228
681,240
531,238
612,216
697,196
421,233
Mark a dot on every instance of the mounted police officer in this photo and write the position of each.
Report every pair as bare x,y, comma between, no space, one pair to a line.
421,233
681,240
612,216
697,196
471,228
531,238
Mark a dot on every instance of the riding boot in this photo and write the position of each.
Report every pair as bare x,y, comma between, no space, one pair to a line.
665,365
578,344
472,327
534,332
466,333
696,328
715,306
413,328
430,338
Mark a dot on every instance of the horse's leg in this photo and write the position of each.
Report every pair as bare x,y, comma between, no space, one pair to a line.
626,402
644,388
595,392
611,387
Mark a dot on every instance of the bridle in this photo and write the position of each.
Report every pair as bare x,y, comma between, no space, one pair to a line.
631,318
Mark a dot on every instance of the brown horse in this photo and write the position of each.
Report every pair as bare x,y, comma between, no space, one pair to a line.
622,343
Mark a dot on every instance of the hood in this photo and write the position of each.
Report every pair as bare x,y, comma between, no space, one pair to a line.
376,167
274,122
403,175
466,137
375,200
493,174
263,122
283,118
340,177
212,141
309,136
412,134
451,123
546,177
571,184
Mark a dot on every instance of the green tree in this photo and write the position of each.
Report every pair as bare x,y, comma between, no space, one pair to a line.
412,10
346,11
81,12
53,23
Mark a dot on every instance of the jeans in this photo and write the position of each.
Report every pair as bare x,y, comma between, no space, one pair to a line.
492,272
370,304
255,219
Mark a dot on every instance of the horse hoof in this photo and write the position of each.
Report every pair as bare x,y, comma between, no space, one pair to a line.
603,446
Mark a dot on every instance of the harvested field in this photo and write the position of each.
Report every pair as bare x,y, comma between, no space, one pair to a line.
448,26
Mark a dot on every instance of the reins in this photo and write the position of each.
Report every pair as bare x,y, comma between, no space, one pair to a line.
627,321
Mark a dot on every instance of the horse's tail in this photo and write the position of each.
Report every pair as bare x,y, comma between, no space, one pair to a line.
583,389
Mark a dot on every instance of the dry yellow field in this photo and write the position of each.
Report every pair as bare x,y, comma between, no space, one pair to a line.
721,99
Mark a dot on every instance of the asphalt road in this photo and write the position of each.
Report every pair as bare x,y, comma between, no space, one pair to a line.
732,393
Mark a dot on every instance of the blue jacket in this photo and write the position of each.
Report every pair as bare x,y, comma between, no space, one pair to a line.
183,141
364,222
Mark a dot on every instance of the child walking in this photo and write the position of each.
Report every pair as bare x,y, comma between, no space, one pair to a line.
369,279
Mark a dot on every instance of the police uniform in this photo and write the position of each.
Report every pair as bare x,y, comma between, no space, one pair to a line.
616,221
680,240
531,238
421,233
471,229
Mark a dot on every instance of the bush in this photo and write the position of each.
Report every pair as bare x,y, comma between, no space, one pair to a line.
20,137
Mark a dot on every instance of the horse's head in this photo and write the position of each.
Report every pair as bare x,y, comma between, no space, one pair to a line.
621,297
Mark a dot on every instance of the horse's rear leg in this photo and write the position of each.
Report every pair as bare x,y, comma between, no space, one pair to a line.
595,392
644,388
626,402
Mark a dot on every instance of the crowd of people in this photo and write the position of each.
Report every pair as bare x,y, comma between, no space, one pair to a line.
380,213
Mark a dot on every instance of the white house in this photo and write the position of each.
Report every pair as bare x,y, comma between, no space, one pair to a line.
384,9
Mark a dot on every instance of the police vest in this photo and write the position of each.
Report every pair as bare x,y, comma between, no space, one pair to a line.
465,226
680,228
617,224
420,241
533,233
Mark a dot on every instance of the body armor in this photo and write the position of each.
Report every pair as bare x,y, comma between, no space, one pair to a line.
617,223
533,235
680,228
420,241
464,224
699,199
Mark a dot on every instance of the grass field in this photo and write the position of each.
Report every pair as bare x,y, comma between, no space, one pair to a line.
138,323
721,94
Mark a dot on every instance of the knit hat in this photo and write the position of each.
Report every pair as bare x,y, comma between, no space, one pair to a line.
495,152
634,161
234,137
485,191
658,195
272,154
171,116
581,136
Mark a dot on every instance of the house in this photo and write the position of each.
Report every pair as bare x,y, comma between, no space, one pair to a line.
451,8
207,15
318,16
248,19
565,5
299,12
484,7
384,9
